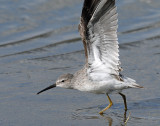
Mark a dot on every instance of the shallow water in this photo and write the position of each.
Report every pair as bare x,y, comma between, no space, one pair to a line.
39,41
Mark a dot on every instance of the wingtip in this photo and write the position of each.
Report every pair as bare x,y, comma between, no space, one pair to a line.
138,86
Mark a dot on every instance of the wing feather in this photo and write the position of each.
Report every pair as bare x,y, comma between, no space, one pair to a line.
98,29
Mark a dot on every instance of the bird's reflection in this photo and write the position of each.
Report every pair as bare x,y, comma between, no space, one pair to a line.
108,118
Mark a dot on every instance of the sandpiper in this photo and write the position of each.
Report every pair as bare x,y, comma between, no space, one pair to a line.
101,72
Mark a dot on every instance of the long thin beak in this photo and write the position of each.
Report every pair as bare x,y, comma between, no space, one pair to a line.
51,86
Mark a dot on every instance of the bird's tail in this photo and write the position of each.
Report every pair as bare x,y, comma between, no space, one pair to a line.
132,83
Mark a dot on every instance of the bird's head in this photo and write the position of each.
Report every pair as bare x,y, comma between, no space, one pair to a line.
63,81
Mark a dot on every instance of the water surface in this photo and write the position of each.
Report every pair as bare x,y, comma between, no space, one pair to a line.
39,41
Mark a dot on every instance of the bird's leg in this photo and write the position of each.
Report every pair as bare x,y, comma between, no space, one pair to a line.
125,118
124,99
110,104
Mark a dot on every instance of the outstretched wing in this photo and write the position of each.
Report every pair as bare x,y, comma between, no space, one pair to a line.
98,29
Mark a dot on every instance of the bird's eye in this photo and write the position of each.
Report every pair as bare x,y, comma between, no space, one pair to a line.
62,80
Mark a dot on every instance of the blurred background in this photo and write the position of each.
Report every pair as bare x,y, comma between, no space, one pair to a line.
39,40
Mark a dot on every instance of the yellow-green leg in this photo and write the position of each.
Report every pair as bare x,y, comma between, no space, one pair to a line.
124,99
110,104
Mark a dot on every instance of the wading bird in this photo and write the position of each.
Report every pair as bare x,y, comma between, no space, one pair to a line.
101,72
